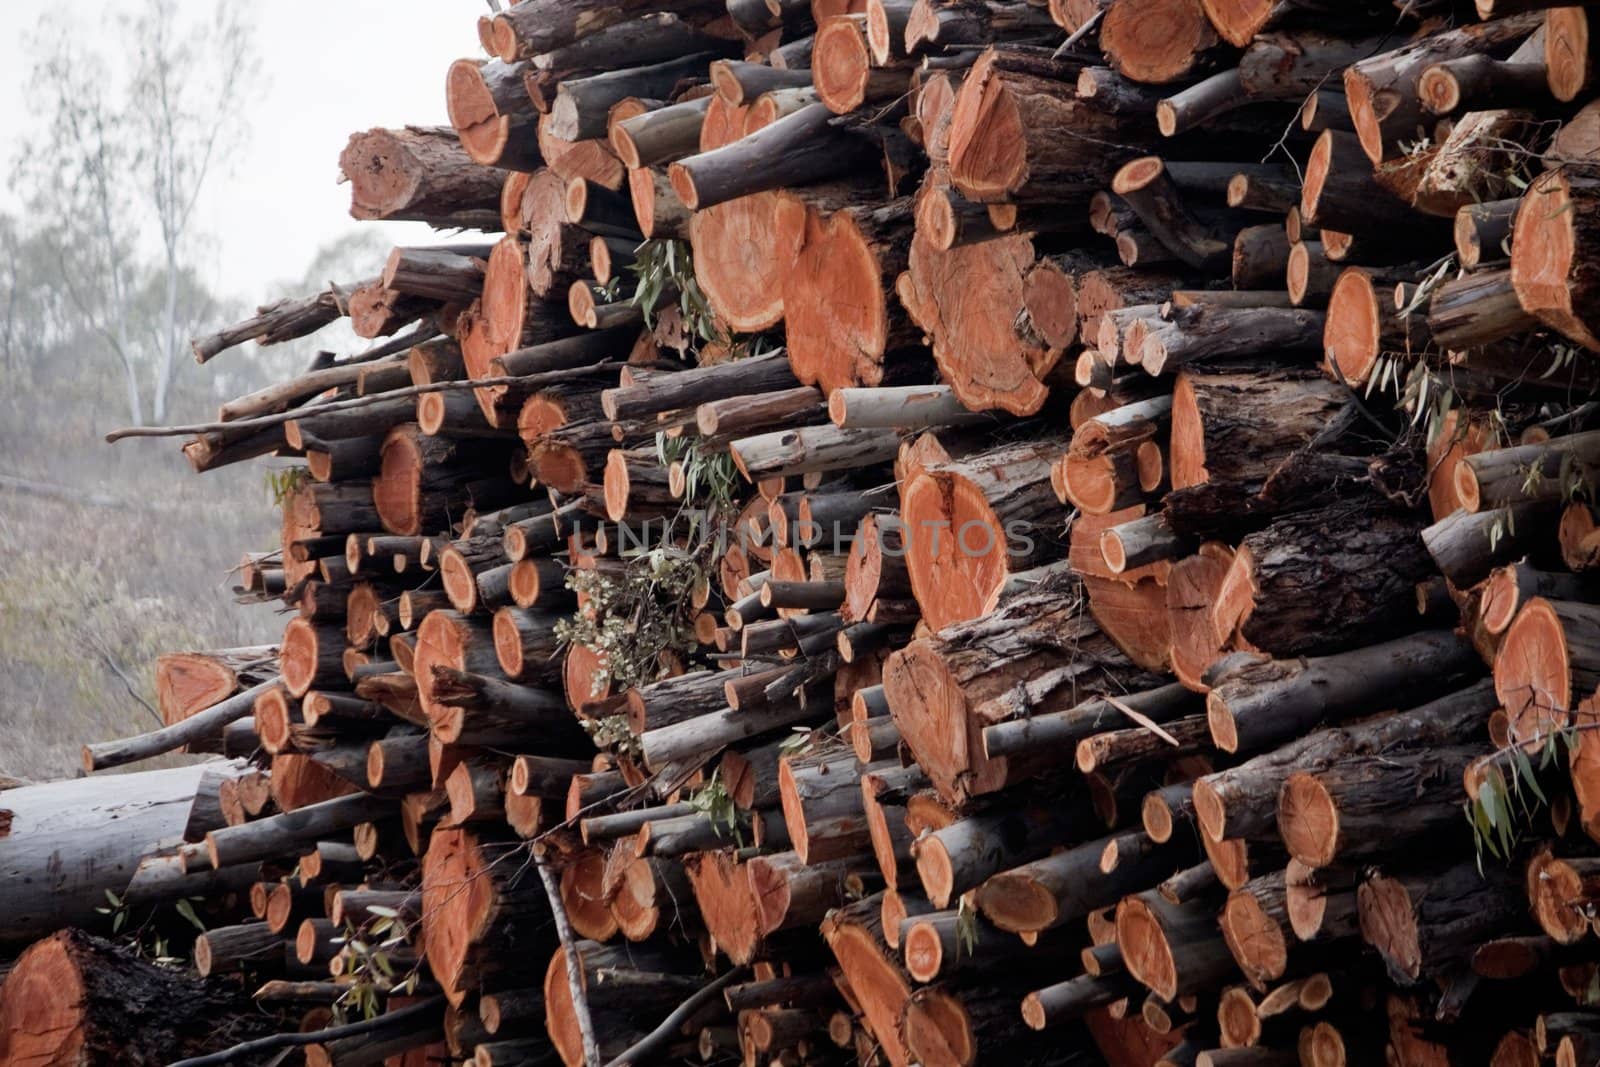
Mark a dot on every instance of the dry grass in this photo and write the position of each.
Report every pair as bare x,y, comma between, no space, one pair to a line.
89,596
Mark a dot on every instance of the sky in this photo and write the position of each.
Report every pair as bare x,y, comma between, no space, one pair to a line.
331,68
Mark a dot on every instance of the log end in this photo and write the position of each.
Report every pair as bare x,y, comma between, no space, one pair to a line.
1389,925
1308,819
1145,950
1532,673
1352,338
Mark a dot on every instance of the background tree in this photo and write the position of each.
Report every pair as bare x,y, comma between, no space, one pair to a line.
119,166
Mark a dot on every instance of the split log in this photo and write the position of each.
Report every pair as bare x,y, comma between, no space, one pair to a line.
463,934
1014,128
860,250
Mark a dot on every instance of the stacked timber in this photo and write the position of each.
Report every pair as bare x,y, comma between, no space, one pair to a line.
929,532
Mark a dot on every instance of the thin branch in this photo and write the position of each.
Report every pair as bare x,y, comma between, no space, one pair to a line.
1079,34
569,950
264,422
651,1043
314,1037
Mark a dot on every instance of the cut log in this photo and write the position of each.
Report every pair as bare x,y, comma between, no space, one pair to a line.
492,114
73,998
1382,90
1553,253
1547,665
806,146
972,524
944,690
1359,809
1157,41
1172,949
1324,580
1231,431
837,340
1067,886
1016,126
1268,703
1239,802
422,174
1424,924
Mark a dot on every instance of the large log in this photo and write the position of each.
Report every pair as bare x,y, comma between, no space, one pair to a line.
1555,253
1324,580
1268,703
1424,923
1239,802
1231,431
63,845
971,524
423,174
1040,652
73,998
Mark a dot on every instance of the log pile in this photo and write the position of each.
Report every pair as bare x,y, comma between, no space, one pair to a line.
936,531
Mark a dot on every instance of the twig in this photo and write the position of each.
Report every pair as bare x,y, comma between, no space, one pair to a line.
262,422
1143,720
1078,34
127,683
569,949
651,1042
314,1037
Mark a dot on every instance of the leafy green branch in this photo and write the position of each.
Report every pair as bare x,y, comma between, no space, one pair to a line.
715,802
371,966
1509,794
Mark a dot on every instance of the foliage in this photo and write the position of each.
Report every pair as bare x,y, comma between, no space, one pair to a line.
281,484
371,970
710,479
966,928
1510,795
665,269
158,948
636,619
715,802
614,733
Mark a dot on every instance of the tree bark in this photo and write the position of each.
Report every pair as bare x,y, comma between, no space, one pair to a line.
73,998
1272,702
420,174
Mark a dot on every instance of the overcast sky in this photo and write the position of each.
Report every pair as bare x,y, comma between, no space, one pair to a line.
332,67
